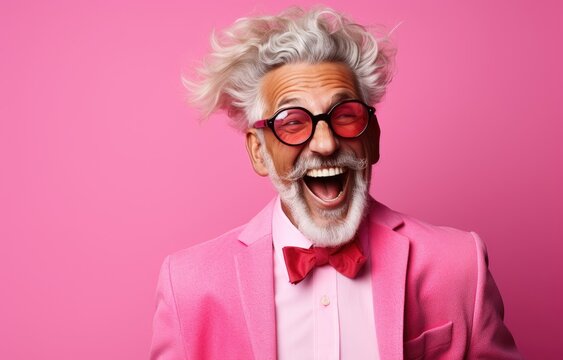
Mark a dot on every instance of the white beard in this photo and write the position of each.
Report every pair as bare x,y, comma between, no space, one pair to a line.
344,221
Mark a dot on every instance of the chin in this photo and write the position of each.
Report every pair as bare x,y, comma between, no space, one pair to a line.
334,225
326,197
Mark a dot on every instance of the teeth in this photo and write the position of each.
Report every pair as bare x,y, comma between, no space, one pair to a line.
325,172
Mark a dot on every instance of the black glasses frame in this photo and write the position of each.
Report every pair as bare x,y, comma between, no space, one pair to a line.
315,119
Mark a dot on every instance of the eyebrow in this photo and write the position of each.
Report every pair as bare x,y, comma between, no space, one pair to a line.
344,95
287,101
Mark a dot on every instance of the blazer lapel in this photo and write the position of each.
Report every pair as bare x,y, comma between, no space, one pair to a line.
389,252
255,276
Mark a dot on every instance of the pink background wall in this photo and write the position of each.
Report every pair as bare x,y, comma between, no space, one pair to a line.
104,170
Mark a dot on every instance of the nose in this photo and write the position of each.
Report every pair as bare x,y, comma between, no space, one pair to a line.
323,142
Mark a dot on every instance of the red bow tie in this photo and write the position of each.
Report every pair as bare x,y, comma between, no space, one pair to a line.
347,259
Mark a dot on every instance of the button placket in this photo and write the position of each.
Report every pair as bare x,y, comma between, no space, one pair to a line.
326,310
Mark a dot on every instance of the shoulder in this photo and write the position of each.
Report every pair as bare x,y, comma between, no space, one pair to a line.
427,240
211,264
208,251
201,272
195,268
441,259
219,249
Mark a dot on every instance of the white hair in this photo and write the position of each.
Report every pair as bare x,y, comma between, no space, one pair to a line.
230,78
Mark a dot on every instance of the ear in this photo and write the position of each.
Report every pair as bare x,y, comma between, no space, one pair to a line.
373,141
254,149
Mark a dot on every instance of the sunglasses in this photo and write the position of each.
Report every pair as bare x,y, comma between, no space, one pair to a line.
296,125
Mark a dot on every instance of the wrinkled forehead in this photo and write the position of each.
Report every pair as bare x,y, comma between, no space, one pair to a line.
315,87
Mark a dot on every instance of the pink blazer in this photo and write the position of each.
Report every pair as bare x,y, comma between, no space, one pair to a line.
436,298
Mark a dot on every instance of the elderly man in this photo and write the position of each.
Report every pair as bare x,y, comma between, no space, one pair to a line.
323,271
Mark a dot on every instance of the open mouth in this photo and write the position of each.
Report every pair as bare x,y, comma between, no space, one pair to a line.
326,184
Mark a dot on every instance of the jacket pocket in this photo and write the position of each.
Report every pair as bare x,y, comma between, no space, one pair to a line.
430,343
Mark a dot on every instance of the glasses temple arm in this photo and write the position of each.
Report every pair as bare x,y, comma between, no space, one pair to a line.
260,124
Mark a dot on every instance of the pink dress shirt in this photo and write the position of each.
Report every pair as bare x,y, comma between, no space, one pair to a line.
327,315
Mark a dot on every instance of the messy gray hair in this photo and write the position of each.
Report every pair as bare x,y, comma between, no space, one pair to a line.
230,78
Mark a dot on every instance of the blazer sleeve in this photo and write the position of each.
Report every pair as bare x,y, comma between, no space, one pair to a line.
490,338
167,342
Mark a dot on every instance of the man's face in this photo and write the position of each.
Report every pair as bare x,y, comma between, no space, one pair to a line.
311,198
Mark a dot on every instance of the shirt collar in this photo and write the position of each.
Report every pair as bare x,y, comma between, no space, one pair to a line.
284,233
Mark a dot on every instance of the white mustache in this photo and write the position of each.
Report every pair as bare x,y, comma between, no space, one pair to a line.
345,159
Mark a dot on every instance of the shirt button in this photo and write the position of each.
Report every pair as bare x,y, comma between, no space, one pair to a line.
325,300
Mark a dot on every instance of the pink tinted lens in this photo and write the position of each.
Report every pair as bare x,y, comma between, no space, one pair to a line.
349,119
293,126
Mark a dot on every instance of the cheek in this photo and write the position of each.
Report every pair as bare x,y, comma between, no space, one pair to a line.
284,158
371,144
287,162
360,148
